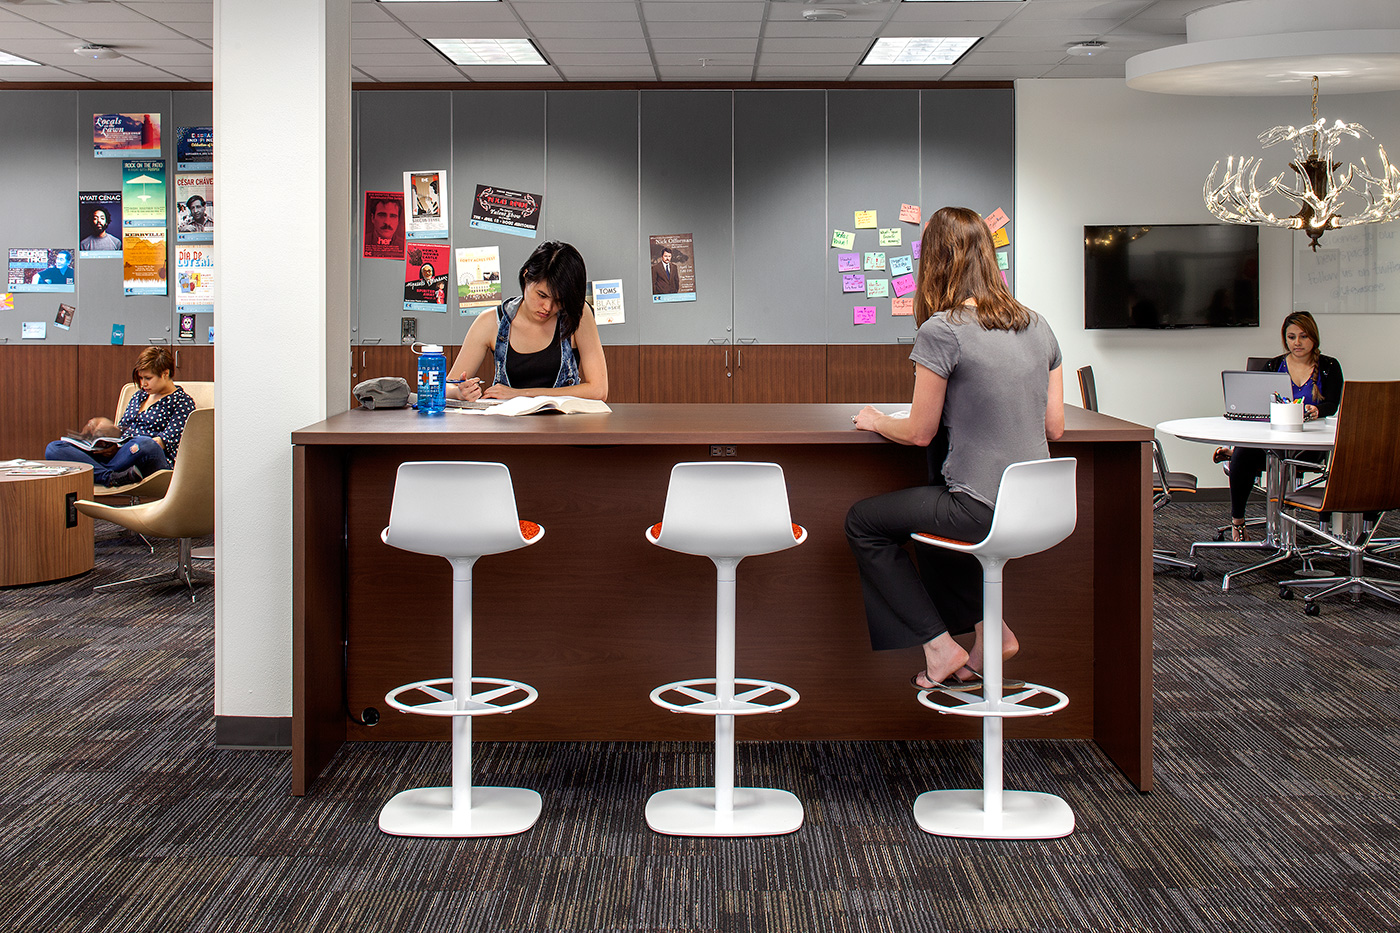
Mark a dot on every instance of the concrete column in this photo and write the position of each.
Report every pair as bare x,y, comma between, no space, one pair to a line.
282,163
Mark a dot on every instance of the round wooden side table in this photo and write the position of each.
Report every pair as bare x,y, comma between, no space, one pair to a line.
42,535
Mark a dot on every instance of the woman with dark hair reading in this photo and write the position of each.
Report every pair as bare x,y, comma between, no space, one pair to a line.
544,343
987,378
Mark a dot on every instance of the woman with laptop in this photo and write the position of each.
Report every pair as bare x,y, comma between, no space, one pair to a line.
1317,381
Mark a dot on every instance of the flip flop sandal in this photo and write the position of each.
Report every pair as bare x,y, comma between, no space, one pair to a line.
951,683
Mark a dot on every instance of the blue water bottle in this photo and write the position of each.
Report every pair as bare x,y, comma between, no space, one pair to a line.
432,379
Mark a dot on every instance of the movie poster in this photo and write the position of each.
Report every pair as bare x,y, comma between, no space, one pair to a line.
36,269
143,261
425,278
605,295
384,228
143,193
194,280
99,224
194,208
425,196
194,149
478,279
123,135
64,319
672,267
505,211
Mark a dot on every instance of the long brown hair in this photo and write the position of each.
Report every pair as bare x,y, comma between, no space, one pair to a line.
958,263
1308,326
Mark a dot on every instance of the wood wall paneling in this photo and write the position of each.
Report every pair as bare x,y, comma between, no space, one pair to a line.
103,370
50,407
866,374
791,374
686,373
624,373
194,363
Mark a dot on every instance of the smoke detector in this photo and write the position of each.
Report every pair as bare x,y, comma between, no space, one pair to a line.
1087,49
826,15
96,52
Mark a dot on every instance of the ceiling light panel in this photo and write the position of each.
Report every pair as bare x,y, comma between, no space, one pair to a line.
7,59
919,50
489,51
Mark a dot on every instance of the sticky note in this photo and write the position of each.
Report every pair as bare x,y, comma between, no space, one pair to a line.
891,236
865,220
852,283
843,239
1005,280
903,305
903,285
997,219
118,334
909,213
917,246
901,265
874,262
864,314
847,262
877,288
1002,261
999,239
7,301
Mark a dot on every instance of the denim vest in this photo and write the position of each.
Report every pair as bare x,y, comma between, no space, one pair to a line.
568,359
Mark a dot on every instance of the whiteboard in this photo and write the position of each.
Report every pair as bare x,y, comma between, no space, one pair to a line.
1356,270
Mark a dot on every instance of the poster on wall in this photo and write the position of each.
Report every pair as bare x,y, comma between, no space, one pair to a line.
505,211
478,279
194,149
143,261
143,193
425,196
122,135
64,319
425,278
605,295
99,213
37,269
194,280
194,208
672,267
384,231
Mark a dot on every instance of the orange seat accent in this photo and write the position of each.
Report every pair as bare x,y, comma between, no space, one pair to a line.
656,530
796,531
529,530
929,534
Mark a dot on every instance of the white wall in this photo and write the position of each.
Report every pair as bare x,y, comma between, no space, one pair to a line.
1095,152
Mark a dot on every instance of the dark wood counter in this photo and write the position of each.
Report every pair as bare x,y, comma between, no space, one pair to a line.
595,617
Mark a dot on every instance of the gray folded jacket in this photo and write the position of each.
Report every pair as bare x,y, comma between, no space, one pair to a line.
384,392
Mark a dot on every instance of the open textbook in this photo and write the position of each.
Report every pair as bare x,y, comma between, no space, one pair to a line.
532,404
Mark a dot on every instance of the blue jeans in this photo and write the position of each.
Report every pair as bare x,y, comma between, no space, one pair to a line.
141,452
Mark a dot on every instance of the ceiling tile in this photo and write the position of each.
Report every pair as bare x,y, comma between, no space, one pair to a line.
590,73
673,30
22,29
711,73
40,73
855,44
170,11
590,11
601,59
385,46
737,11
611,44
585,30
996,72
707,45
478,31
384,30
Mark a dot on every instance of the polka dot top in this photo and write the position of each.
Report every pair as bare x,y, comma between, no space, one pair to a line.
165,419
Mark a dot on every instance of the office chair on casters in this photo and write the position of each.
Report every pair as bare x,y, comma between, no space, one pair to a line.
1364,478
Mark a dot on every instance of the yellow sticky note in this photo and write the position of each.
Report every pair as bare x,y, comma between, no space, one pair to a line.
999,238
865,220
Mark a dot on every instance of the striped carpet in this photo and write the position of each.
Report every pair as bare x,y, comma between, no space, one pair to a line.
1276,806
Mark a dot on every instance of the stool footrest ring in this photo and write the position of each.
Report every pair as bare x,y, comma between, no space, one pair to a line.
703,700
1025,701
480,703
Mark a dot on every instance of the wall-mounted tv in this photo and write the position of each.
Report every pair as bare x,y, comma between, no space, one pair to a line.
1171,275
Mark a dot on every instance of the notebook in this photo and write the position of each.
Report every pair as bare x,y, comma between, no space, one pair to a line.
1248,394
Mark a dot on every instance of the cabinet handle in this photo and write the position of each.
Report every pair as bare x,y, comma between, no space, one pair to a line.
362,358
177,358
741,357
726,357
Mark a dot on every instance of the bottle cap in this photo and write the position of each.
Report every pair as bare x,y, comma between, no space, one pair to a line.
421,348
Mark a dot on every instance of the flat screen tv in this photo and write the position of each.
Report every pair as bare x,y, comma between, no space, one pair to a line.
1171,275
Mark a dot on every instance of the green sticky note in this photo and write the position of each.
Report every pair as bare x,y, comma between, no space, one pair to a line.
1002,261
843,239
891,236
877,288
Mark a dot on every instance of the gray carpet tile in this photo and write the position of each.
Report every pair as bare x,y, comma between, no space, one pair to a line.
1276,805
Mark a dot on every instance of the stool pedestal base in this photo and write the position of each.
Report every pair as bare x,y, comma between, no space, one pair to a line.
427,811
757,811
1024,815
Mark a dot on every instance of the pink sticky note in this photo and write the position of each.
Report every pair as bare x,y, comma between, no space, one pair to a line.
853,283
1005,279
864,314
997,219
909,213
902,285
904,305
918,245
847,262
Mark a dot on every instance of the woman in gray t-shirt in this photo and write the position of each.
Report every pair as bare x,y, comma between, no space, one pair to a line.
987,384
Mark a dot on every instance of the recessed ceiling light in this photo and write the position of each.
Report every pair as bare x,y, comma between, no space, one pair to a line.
7,59
1086,49
96,52
823,15
489,51
919,50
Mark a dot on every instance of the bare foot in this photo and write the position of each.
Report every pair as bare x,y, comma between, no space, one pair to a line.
1009,647
942,658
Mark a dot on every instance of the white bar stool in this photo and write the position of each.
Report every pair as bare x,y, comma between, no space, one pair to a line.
1035,511
460,511
726,512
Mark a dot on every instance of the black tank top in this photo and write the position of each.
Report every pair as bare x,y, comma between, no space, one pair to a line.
536,370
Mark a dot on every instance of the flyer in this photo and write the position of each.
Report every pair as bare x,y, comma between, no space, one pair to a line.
425,196
122,135
33,330
606,297
99,223
7,301
64,319
118,334
384,229
35,269
425,278
143,193
187,326
672,267
194,149
506,211
194,280
143,262
194,208
478,279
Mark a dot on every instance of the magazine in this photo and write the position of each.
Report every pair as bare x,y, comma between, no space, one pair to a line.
93,444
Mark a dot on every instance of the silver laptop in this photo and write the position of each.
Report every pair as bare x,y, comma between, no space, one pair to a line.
1248,394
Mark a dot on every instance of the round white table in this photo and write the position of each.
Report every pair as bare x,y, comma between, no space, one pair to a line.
1218,430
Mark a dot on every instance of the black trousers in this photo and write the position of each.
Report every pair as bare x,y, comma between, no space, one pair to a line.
905,605
1246,463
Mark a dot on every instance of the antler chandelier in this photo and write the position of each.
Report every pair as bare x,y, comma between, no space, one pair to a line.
1317,187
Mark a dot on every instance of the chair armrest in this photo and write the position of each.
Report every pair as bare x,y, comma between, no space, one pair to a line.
152,487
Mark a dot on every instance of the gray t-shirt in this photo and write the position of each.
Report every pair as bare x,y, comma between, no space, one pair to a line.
998,381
